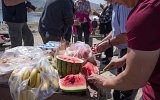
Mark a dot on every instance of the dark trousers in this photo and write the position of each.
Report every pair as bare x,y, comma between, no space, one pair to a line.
123,95
50,38
20,32
83,28
68,34
106,28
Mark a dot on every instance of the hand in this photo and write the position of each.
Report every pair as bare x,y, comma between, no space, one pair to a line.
114,63
102,46
96,80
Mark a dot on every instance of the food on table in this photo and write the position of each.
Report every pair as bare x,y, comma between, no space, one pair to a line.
89,69
68,65
73,83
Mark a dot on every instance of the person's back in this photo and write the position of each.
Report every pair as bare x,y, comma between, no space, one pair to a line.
56,17
16,18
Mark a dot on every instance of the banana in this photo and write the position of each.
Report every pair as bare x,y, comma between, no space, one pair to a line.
42,68
45,85
23,95
55,83
33,77
26,75
38,81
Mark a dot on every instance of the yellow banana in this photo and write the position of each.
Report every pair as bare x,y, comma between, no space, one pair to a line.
33,77
38,81
45,85
55,83
26,75
42,68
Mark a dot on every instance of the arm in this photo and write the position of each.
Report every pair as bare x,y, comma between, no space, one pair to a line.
104,44
119,39
139,67
137,72
115,63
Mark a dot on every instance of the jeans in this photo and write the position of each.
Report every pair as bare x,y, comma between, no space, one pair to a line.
19,32
83,28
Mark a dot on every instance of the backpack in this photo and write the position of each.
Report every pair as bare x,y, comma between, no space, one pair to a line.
13,2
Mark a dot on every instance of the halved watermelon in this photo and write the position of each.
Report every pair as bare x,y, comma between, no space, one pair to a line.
68,65
73,83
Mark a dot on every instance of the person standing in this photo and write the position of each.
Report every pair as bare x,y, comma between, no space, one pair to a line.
119,18
16,18
143,56
69,31
94,26
55,20
105,28
83,10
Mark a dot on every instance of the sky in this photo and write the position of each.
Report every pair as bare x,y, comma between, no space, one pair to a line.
97,1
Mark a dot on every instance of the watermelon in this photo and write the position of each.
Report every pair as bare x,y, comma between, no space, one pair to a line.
89,69
68,65
73,83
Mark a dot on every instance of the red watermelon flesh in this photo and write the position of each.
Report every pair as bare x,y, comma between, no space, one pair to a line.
89,69
70,59
73,83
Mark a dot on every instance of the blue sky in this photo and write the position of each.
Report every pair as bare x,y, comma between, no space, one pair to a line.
97,1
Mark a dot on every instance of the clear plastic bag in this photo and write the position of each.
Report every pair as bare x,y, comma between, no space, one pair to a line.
12,58
34,82
80,50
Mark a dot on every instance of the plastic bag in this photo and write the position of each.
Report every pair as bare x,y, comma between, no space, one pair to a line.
34,82
80,50
13,58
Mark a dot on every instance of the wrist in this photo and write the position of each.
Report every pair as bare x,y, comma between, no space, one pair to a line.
109,42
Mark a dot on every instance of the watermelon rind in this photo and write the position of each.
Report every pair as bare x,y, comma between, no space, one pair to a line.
66,67
72,89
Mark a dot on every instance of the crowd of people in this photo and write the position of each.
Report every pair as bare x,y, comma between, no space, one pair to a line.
130,25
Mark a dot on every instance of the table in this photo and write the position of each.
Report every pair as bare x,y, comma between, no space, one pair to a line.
5,95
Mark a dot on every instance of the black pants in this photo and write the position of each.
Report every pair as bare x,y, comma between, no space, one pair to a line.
106,28
68,34
83,28
123,95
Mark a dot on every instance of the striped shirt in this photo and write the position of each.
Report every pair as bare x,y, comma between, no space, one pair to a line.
119,18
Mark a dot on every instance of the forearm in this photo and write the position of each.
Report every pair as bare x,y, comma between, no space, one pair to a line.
120,39
109,36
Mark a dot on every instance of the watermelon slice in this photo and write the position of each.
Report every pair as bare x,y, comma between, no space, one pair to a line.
73,83
89,69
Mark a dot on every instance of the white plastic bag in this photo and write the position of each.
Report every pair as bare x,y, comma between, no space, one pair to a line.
80,50
36,82
13,58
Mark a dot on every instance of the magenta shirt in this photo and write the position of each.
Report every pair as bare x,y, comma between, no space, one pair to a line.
143,31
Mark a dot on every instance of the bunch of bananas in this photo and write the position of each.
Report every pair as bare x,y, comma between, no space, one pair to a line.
36,81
